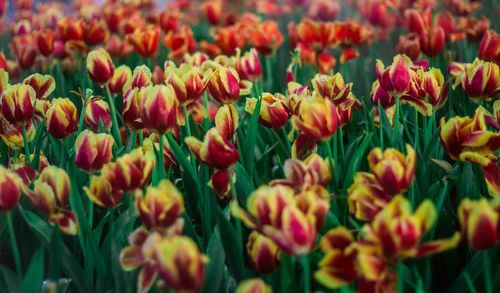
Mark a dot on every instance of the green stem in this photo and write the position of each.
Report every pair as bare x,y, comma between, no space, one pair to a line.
141,139
306,273
269,71
116,131
91,213
417,140
396,118
341,145
188,134
15,251
487,272
400,276
162,172
287,141
26,145
330,160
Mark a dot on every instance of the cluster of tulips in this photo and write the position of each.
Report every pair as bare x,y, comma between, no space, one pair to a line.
218,146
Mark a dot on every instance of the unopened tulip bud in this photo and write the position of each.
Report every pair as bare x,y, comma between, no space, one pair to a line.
432,41
45,42
10,189
26,56
318,118
248,66
215,151
263,253
140,78
98,112
213,11
61,119
274,110
100,68
159,108
180,43
145,40
18,104
395,79
101,192
489,50
95,32
480,223
93,151
226,121
43,85
409,45
188,82
224,86
121,76
219,182
253,286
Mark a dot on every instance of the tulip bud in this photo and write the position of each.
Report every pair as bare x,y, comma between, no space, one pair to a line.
96,32
95,112
331,87
475,28
43,85
395,79
61,119
489,50
93,151
213,11
432,41
409,45
10,190
100,68
303,146
45,42
169,20
70,29
26,56
180,43
159,108
418,20
226,121
181,264
121,76
480,223
266,37
131,109
145,40
160,207
215,151
18,104
188,82
325,62
219,182
253,286
318,118
224,86
274,110
481,79
263,254
101,192
248,66
140,78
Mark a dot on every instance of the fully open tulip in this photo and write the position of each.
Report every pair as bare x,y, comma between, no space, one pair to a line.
224,86
121,76
395,79
145,40
481,79
93,150
332,87
181,264
318,118
366,197
100,68
188,82
160,206
43,85
98,112
263,254
226,121
489,50
253,286
480,222
45,42
102,193
18,104
10,189
61,119
159,108
215,151
274,111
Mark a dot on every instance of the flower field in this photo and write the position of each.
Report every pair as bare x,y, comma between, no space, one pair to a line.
249,146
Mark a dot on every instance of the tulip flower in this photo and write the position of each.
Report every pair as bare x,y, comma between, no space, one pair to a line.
317,118
331,87
45,42
131,109
93,151
475,28
95,32
160,206
227,39
169,20
100,68
366,197
43,85
26,56
266,38
61,119
118,48
315,35
4,80
145,40
263,254
95,112
226,121
188,82
481,79
101,192
435,88
489,50
248,66
17,104
213,11
121,76
12,134
274,111
219,182
224,86
303,146
253,286
180,43
395,79
158,111
432,41
480,222
140,78
70,29
215,151
409,45
3,62
10,189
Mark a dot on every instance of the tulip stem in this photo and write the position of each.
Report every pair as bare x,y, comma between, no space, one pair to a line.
162,172
285,137
116,132
15,251
26,144
487,271
341,145
141,139
396,118
417,141
330,160
186,120
306,273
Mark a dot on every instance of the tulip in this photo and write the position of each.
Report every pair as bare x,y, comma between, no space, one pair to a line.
379,95
489,50
219,182
121,76
3,7
158,76
3,62
93,151
224,86
95,112
446,21
95,32
4,81
101,192
45,42
325,62
395,79
215,151
131,109
12,134
481,79
475,28
169,20
188,82
100,68
418,20
159,108
70,30
118,48
303,146
318,118
213,11
227,39
180,43
181,264
17,104
409,45
130,171
274,111
346,108
435,88
61,119
266,38
226,121
145,40
366,197
432,41
263,254
160,207
253,286
331,87
316,35
26,56
10,190
43,85
113,15
480,222
140,78
248,66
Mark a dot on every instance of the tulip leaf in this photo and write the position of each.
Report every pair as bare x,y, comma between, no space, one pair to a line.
181,157
34,275
11,280
251,138
234,257
244,185
355,162
215,267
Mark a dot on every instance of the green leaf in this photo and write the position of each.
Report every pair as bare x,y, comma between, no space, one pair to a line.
244,185
215,267
34,275
234,257
355,162
11,279
181,157
251,138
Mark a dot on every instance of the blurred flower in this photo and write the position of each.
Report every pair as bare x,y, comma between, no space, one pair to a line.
97,112
26,56
101,192
145,40
323,10
317,118
213,11
227,39
253,286
100,67
224,85
480,222
12,134
366,197
10,190
325,62
418,21
70,29
248,66
346,108
188,82
169,20
489,50
113,15
117,47
266,38
159,108
226,121
93,151
158,76
61,119
274,111
95,32
219,182
17,104
180,43
303,146
263,254
432,41
215,151
121,76
315,35
43,85
475,28
45,42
